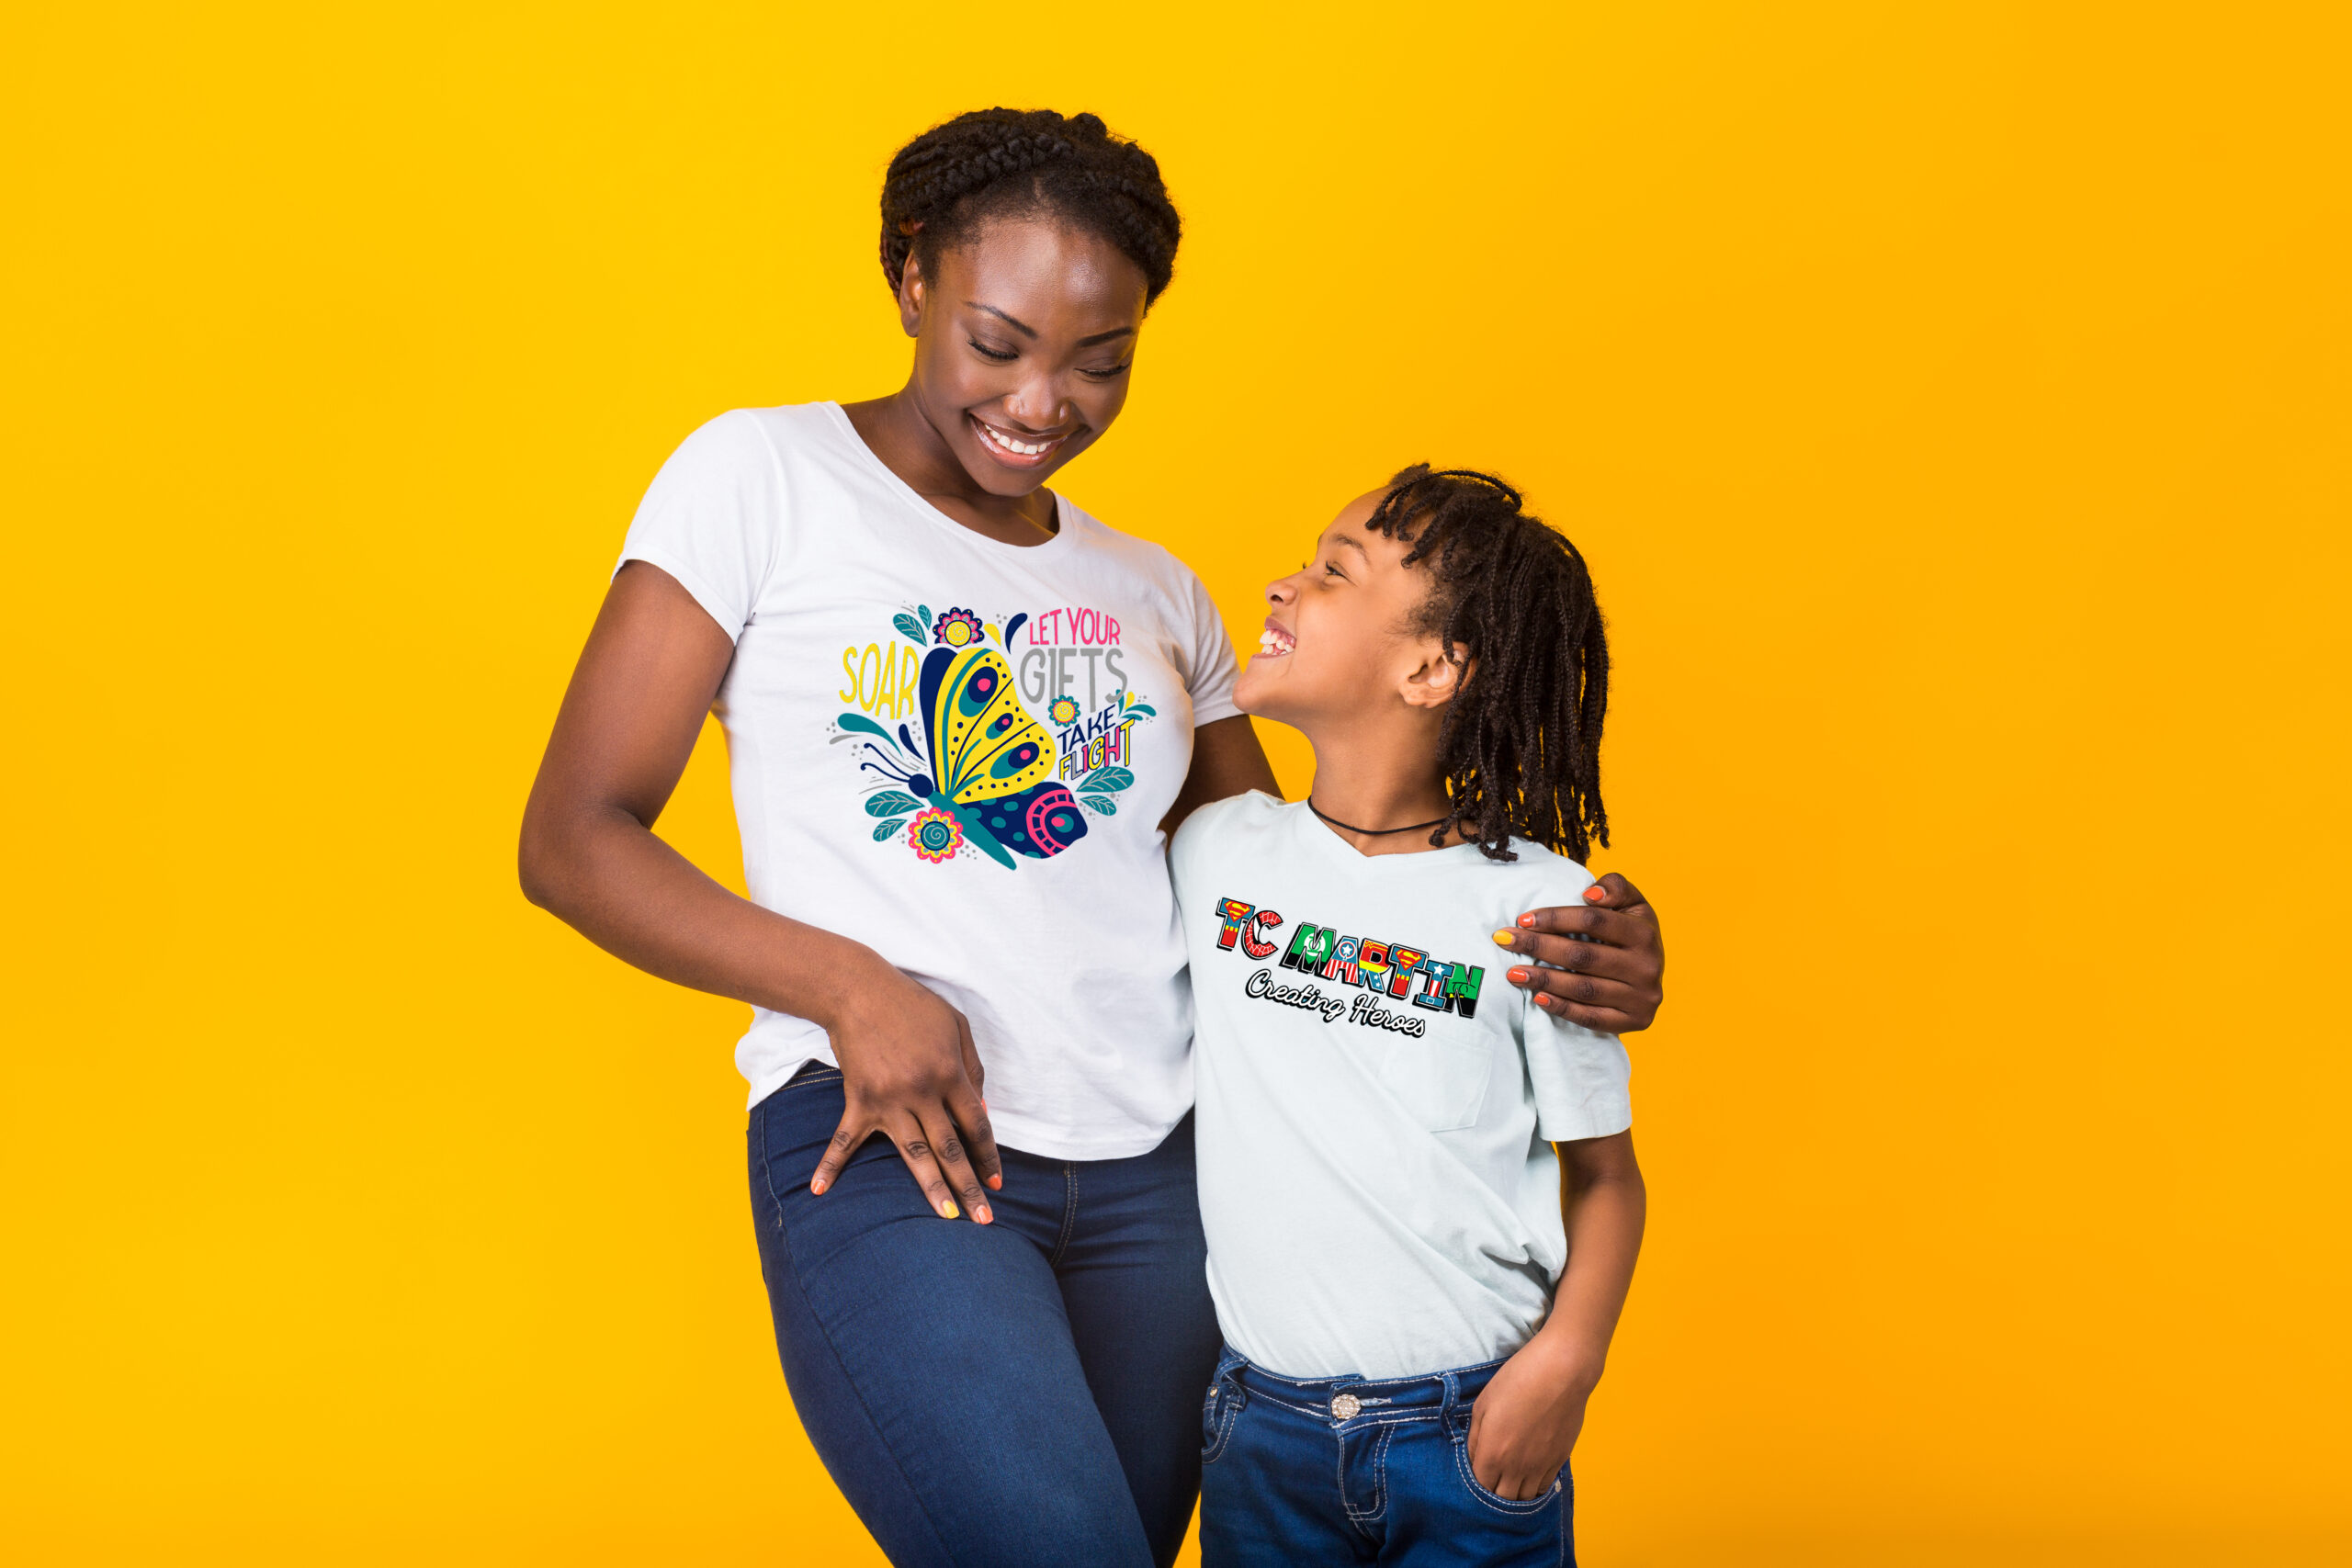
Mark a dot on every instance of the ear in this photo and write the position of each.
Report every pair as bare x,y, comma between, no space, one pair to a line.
910,296
1435,680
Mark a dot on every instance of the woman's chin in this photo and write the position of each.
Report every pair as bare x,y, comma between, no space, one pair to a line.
1011,483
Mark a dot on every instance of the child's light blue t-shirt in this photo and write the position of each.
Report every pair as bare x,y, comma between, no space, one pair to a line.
1376,1104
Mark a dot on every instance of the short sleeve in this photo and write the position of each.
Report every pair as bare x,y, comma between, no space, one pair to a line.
713,518
1580,1077
1580,1080
1214,669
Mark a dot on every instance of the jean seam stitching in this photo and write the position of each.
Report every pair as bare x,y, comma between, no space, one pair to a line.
1069,1215
1503,1506
767,1177
1223,1430
1340,1478
1379,1482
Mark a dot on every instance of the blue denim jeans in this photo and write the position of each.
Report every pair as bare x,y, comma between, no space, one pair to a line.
1347,1470
1023,1392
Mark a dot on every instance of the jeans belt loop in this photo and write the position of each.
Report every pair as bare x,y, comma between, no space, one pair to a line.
1453,1397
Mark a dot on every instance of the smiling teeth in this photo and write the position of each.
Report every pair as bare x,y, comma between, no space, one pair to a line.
1024,448
1273,641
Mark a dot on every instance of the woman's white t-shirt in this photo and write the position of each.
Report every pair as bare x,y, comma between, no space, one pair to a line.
958,752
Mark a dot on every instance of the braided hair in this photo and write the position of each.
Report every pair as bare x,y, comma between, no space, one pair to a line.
1520,741
946,183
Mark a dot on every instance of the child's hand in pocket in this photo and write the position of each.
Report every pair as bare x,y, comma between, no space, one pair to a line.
1525,1422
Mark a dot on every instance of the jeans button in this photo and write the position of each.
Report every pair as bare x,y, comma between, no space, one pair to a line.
1344,1406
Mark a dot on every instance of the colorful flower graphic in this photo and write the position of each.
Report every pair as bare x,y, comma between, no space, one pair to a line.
936,835
957,628
1062,710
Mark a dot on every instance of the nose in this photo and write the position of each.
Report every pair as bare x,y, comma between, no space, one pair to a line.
1037,403
1282,590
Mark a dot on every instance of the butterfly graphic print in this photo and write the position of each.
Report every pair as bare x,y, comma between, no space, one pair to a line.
983,772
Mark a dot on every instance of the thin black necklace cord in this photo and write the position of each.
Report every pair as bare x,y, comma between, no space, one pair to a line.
1371,832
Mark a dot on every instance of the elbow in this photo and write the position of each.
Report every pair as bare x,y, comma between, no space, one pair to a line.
540,864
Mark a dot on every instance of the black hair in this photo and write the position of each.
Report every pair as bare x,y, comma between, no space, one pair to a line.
1512,604
998,162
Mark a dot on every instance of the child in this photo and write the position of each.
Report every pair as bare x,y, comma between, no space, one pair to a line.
1407,1362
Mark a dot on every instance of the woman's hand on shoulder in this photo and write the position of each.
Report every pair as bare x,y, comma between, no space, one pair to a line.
910,1072
1606,958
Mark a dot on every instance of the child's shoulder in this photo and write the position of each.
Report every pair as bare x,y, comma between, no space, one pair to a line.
1236,814
1535,878
1223,822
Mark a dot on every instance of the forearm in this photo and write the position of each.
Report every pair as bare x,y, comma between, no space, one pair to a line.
1226,760
605,875
1605,1212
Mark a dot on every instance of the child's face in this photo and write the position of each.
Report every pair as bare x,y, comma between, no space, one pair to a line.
1341,644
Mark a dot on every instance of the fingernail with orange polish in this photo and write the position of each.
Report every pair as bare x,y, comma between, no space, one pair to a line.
996,1183
1528,920
817,1186
982,1214
1593,895
1516,976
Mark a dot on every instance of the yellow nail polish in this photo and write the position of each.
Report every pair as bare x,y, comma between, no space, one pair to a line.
948,1208
1502,939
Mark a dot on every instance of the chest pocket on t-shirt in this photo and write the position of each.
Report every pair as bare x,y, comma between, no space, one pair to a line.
1441,1083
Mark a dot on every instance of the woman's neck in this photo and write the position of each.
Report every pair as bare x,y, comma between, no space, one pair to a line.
896,430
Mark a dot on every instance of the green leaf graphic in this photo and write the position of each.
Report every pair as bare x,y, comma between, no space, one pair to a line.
922,614
889,803
913,630
859,722
1101,803
1107,780
1143,708
889,828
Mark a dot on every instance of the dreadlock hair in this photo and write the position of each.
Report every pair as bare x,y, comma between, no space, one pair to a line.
946,183
1512,604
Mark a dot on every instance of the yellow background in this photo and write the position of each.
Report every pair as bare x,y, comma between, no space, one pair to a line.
1953,400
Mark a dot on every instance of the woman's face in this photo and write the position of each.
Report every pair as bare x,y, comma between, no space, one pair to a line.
1024,345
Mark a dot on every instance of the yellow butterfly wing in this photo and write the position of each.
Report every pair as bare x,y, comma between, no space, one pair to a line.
983,742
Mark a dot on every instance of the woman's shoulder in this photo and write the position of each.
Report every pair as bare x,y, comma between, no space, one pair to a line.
764,434
1134,555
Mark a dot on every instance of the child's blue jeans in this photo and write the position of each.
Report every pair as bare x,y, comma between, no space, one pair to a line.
1345,1470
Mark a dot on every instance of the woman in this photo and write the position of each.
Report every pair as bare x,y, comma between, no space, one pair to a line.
961,717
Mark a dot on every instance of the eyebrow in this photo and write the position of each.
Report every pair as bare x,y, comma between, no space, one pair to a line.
1352,543
1025,330
1016,322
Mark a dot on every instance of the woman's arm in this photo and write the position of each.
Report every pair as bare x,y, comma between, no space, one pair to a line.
1226,760
651,667
1524,1425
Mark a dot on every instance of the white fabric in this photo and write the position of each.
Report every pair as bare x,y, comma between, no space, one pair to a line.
1375,1176
839,585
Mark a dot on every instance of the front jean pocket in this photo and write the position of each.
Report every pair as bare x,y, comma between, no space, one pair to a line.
1500,1504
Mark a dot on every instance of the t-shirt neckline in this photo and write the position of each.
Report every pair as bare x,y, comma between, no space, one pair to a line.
1064,514
1322,841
